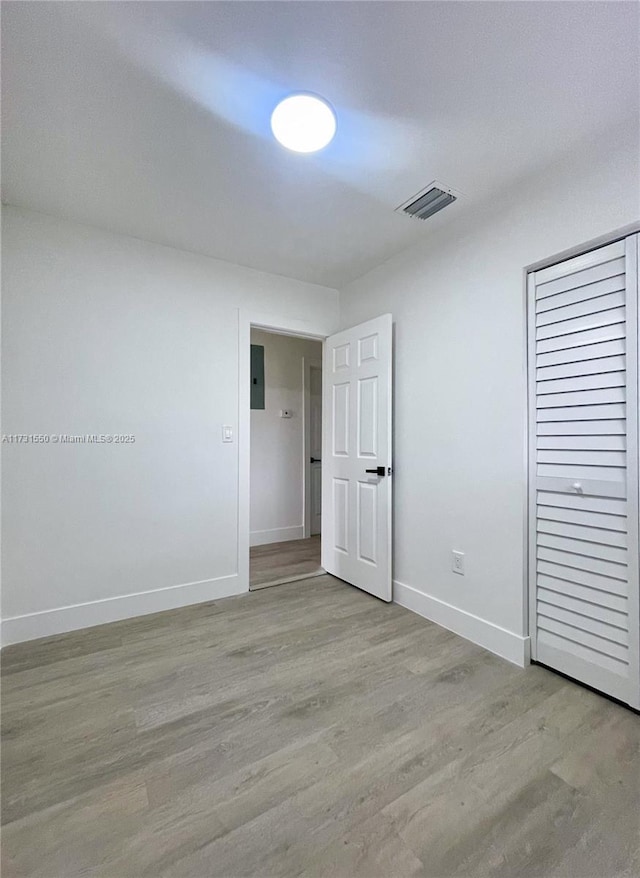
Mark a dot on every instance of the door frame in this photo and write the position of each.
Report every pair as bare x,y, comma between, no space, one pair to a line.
308,364
317,330
529,593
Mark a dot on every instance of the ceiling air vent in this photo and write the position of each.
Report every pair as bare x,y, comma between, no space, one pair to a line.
429,201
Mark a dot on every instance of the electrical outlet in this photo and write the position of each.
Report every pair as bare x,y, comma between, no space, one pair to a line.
457,562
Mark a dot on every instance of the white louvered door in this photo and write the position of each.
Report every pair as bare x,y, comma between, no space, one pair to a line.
583,466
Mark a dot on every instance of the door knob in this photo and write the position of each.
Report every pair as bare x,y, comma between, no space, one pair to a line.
379,471
577,487
316,460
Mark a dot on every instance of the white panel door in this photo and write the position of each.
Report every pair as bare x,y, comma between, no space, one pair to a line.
583,403
356,460
315,443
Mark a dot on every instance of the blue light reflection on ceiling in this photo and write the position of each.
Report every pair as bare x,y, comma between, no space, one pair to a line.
365,143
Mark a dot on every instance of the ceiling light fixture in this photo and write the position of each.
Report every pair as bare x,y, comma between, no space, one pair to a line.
303,123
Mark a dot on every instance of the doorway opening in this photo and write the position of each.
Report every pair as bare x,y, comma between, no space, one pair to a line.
285,458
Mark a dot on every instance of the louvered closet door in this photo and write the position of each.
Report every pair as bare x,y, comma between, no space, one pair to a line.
583,386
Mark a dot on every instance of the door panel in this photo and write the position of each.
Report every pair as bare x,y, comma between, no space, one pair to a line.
356,541
340,529
340,420
366,517
367,416
583,468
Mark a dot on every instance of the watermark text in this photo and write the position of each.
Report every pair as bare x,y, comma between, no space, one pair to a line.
68,439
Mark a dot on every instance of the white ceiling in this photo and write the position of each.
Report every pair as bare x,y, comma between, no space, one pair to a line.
152,119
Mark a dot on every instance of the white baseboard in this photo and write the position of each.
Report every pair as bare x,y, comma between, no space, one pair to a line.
276,535
506,644
17,629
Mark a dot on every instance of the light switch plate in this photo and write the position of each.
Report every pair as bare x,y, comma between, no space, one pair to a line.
457,562
227,433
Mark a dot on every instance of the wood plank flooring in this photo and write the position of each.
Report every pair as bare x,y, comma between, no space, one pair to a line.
306,730
277,563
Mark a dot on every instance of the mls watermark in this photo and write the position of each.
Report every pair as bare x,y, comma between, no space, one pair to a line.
68,439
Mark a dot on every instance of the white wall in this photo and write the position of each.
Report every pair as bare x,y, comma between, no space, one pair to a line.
277,453
108,334
460,393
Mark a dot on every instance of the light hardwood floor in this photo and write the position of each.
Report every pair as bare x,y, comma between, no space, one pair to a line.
277,563
306,730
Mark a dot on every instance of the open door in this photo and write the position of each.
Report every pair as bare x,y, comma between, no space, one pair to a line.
356,470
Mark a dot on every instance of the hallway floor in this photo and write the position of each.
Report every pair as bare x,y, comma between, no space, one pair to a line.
277,563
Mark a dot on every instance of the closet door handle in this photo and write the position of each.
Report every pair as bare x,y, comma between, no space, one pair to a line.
379,471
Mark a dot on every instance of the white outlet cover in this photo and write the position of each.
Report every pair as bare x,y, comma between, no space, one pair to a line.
457,562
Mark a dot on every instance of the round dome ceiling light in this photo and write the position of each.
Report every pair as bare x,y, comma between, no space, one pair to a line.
303,123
